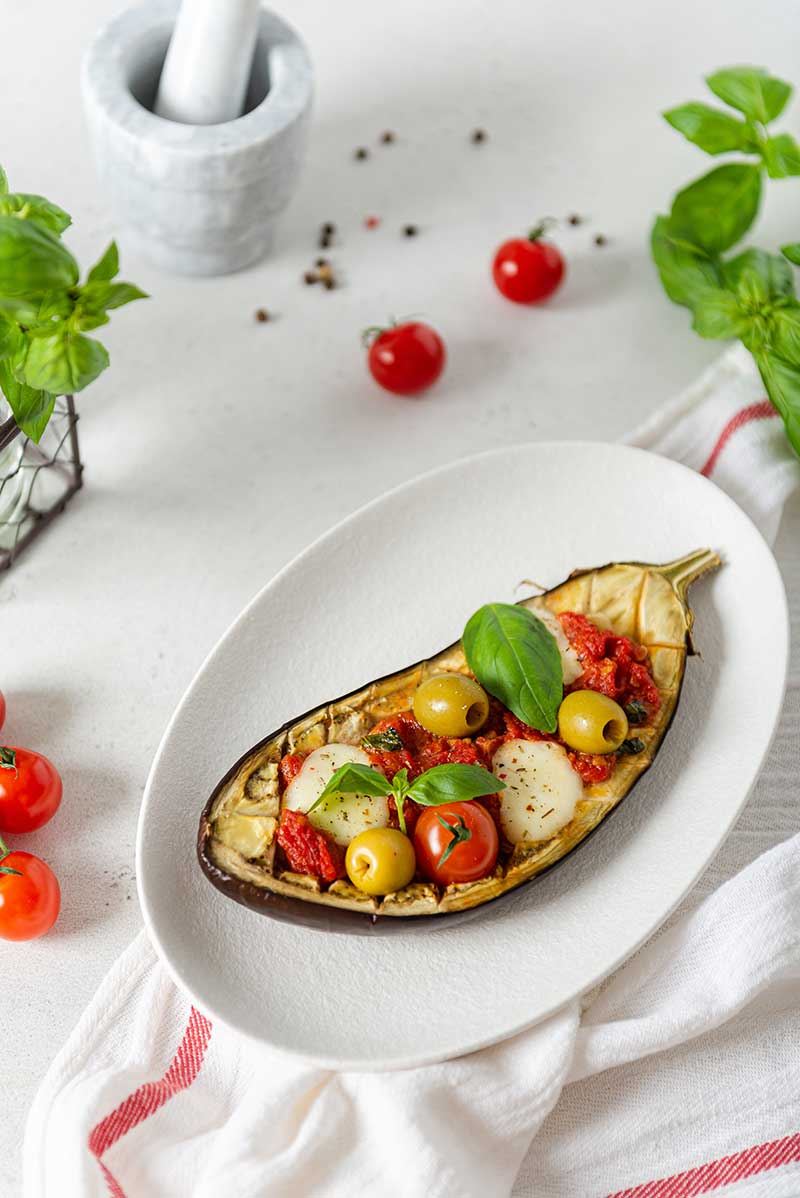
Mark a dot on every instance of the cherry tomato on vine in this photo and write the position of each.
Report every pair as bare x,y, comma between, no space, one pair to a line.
405,358
455,842
2,709
30,896
30,790
527,269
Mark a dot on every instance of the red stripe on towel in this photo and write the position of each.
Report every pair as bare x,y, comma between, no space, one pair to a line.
709,1177
150,1096
755,411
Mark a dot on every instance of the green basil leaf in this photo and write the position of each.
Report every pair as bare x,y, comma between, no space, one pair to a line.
32,409
3,182
750,89
782,381
123,293
685,269
107,267
64,362
716,210
32,259
453,784
11,338
36,209
86,321
792,252
781,156
712,129
21,310
515,657
354,778
786,333
717,315
776,275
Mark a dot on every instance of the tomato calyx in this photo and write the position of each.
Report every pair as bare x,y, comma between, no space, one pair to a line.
459,834
538,231
4,852
373,331
8,759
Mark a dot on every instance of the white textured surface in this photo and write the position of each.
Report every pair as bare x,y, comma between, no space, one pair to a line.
287,653
97,645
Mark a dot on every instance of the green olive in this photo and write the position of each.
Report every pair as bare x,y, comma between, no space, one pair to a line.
451,705
591,722
380,861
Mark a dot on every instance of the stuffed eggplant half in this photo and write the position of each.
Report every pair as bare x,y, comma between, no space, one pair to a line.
448,784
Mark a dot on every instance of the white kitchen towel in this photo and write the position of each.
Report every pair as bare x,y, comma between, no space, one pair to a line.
147,1099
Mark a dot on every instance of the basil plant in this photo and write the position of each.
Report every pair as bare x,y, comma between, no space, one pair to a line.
46,312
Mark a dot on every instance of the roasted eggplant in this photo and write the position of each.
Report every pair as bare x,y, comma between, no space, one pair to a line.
237,846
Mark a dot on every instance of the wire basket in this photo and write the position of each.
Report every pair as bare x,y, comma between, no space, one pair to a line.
36,481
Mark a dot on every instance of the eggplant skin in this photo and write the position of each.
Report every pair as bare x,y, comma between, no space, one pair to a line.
646,602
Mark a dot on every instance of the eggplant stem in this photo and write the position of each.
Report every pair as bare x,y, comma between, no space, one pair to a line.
686,570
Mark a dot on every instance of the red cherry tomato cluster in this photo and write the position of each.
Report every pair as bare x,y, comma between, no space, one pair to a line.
30,794
408,358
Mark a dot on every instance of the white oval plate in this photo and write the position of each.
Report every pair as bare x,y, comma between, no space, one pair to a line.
390,585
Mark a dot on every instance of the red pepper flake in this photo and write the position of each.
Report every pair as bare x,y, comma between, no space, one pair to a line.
372,222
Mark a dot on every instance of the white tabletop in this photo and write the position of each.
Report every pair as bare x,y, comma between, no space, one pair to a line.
216,448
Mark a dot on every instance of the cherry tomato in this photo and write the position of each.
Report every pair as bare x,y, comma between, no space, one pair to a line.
30,897
456,842
407,358
2,710
30,790
527,269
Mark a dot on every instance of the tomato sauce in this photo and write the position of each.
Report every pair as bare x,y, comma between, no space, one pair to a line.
307,850
614,665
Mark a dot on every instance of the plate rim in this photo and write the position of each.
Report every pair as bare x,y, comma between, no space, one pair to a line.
409,1061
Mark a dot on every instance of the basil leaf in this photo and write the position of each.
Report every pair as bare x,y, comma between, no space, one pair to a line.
717,315
117,294
387,741
20,310
781,156
454,783
750,89
685,269
792,252
786,333
716,210
775,273
782,381
712,129
516,659
354,778
64,362
11,338
105,268
32,259
31,408
36,209
3,182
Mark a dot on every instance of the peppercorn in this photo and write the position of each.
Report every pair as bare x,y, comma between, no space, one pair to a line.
387,138
410,230
600,239
321,262
361,153
329,228
479,135
262,315
574,219
310,277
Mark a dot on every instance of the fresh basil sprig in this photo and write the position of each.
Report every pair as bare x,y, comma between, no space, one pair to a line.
45,312
452,783
515,657
750,297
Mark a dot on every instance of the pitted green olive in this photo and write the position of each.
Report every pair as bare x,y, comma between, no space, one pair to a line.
380,861
591,722
451,705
